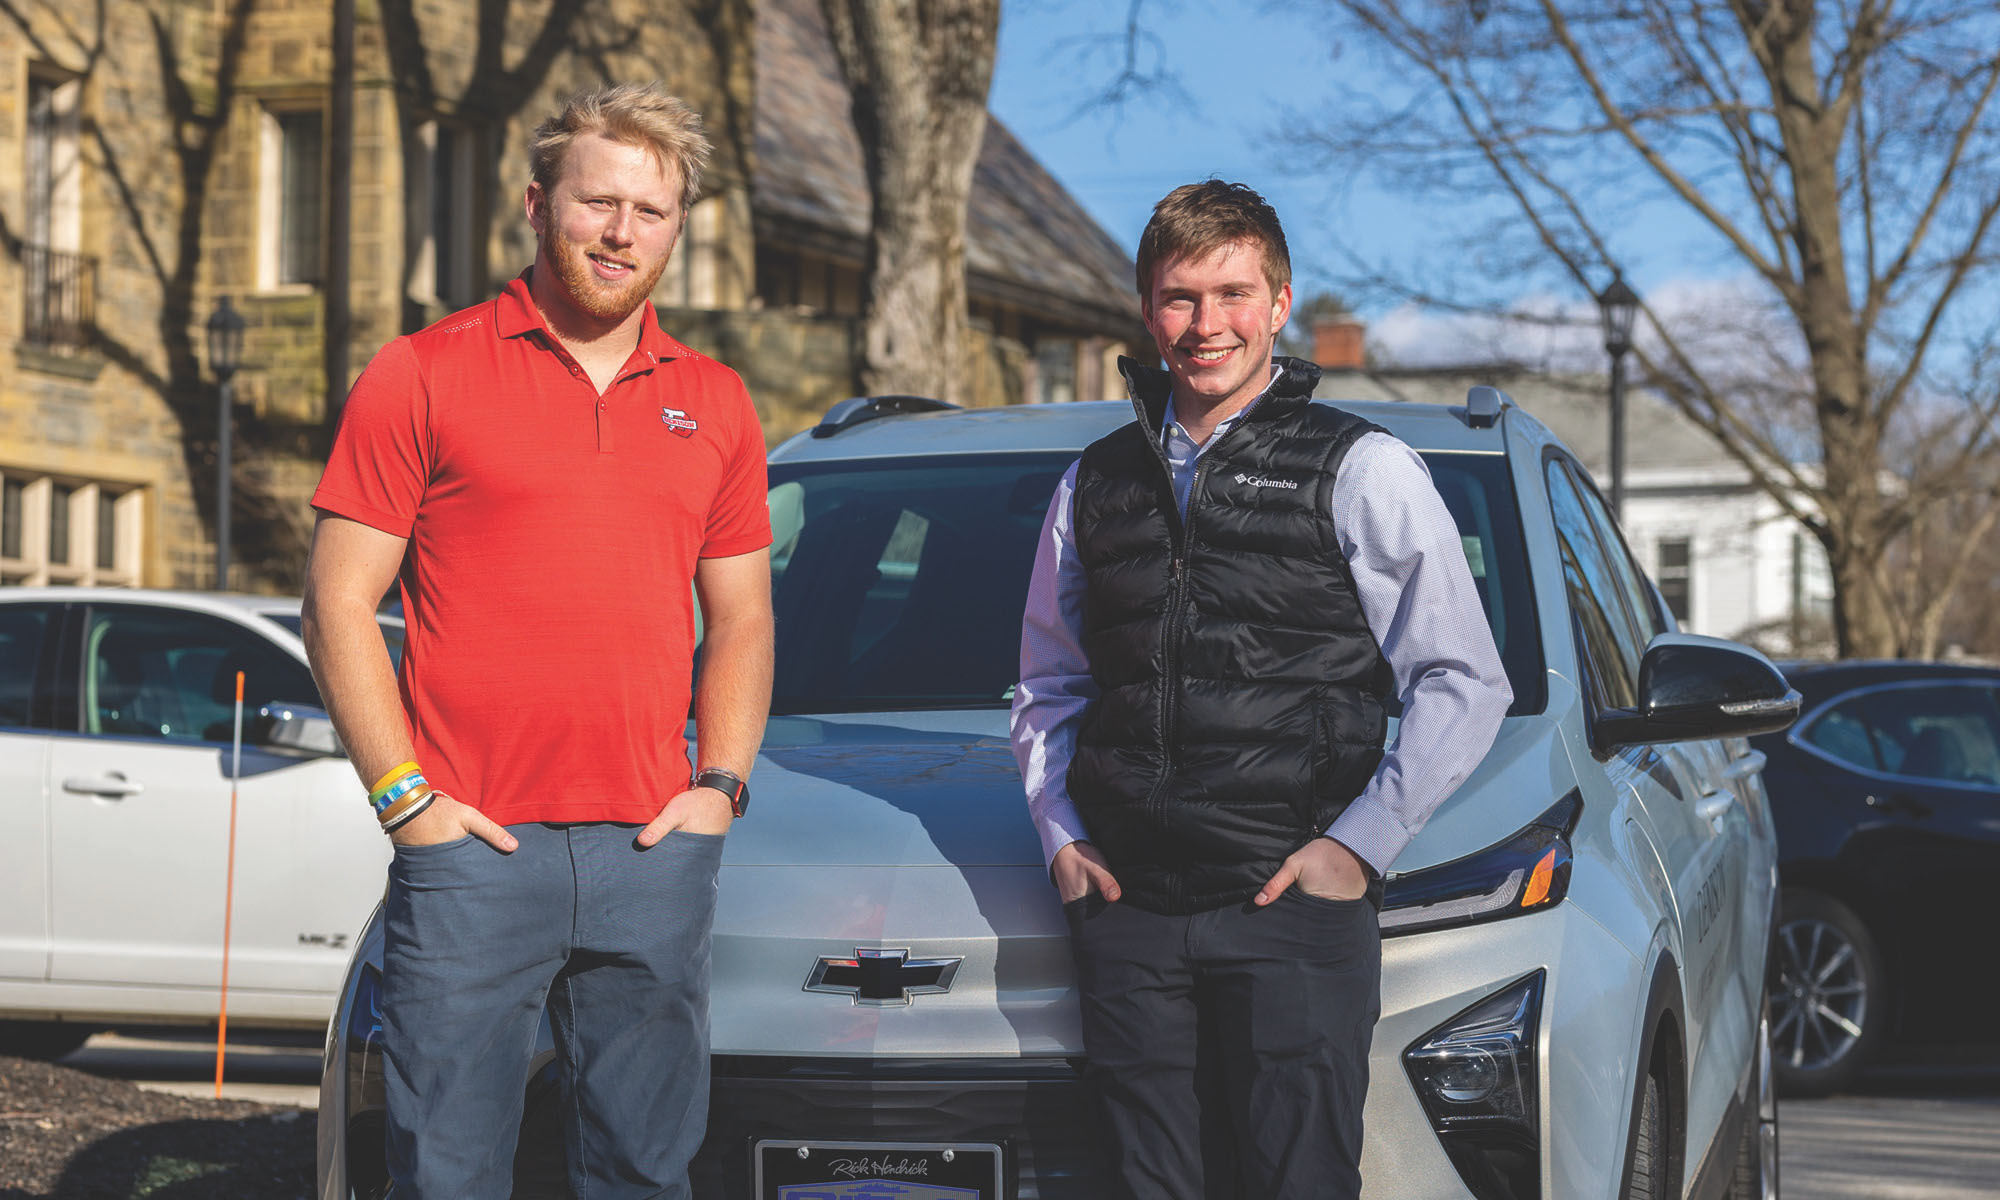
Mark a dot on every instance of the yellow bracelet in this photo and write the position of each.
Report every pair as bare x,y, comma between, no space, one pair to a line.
382,784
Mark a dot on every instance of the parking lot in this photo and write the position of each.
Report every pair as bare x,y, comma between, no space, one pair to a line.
1902,1135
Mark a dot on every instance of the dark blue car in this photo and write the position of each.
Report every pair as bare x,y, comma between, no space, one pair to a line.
1887,800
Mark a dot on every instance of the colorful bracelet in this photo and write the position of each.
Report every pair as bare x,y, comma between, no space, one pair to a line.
397,791
395,773
408,810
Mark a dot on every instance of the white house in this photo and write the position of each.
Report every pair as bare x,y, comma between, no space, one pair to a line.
1727,559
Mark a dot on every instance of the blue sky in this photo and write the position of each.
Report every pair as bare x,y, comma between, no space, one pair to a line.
1245,68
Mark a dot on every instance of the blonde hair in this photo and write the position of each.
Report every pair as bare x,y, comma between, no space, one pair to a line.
1197,219
635,114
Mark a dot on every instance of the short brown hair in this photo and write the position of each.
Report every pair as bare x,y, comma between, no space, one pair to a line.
635,114
1197,219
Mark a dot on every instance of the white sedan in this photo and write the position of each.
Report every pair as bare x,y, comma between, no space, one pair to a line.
116,717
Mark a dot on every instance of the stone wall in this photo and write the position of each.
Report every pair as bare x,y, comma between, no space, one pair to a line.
796,366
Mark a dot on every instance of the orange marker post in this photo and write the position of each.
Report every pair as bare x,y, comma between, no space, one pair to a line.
229,881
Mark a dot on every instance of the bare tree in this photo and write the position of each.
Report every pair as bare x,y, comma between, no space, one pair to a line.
1845,157
918,71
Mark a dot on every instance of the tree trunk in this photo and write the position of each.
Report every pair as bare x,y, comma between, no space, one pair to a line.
918,72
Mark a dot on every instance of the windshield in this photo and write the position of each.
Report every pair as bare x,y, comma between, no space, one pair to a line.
899,583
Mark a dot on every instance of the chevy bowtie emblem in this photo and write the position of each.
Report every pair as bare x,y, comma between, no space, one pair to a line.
678,421
882,978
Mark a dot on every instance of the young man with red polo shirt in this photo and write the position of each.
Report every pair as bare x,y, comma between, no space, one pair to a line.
548,473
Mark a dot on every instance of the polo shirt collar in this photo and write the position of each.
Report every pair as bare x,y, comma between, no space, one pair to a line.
515,314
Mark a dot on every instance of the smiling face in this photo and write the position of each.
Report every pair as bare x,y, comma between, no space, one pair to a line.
1214,318
605,230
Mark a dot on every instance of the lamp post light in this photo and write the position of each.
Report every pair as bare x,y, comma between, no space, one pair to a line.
1618,307
225,353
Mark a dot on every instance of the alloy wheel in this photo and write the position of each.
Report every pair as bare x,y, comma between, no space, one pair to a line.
1820,1007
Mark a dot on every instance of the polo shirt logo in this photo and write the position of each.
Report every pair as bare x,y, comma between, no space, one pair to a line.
678,421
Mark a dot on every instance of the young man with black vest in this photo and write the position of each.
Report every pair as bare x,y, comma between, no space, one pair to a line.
1226,593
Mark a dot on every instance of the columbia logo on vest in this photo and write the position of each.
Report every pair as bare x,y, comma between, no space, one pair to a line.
1290,485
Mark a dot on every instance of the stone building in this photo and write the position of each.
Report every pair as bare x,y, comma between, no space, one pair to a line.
174,152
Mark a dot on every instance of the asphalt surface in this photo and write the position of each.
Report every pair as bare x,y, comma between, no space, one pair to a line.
1910,1135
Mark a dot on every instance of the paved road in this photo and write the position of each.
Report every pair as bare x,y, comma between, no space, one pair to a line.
262,1065
1915,1136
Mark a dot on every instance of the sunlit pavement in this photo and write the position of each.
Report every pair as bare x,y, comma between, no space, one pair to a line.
1931,1135
262,1065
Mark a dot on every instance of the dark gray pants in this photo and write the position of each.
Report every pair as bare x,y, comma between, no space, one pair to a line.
614,941
1229,1049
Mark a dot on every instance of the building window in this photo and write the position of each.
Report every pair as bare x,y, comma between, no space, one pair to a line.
1055,370
68,530
1674,575
445,215
693,278
58,297
292,180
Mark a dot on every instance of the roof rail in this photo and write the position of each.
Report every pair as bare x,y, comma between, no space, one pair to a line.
1483,405
855,410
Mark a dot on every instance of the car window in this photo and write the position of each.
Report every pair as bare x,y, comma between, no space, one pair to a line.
22,627
1593,588
163,673
1843,733
1632,585
899,583
1939,733
392,633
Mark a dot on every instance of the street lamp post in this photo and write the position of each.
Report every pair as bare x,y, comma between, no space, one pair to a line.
1618,307
225,353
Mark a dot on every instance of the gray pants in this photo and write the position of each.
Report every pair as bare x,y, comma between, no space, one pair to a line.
613,941
1228,1050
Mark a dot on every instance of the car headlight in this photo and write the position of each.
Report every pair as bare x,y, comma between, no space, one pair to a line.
1475,1075
1526,873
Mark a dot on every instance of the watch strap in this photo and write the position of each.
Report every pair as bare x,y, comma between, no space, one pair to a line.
730,784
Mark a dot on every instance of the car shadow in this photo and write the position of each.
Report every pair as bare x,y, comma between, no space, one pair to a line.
254,1158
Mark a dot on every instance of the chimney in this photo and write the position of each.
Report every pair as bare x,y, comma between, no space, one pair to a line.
1338,343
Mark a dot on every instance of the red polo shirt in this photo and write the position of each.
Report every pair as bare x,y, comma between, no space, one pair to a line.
553,535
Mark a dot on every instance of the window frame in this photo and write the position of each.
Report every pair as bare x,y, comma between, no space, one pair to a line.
36,564
271,195
76,644
1596,694
1796,734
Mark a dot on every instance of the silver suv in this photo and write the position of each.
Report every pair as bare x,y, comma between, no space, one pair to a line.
1573,990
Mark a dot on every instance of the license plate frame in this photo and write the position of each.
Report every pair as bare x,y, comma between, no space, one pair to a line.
872,1170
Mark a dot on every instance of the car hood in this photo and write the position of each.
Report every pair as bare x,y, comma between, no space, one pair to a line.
942,789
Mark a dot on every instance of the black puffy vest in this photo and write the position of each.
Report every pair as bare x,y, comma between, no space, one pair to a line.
1240,689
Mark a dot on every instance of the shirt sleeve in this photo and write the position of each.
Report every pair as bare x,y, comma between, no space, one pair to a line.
739,520
1056,686
382,453
1416,591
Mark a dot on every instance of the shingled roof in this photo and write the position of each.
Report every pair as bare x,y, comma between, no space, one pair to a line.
1028,242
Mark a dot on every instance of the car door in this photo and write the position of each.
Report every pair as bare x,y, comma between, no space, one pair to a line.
1929,850
1669,787
28,637
140,812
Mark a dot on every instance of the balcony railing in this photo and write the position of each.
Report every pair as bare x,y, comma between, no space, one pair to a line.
59,306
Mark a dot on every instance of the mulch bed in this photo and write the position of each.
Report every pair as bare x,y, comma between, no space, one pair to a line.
68,1135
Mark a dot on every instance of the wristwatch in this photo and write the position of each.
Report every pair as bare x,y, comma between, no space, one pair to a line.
730,784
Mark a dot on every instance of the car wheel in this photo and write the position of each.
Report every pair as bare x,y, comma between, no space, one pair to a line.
1756,1174
47,1040
1827,1010
1647,1178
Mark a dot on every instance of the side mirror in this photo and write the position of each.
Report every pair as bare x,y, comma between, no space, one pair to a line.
1702,687
296,729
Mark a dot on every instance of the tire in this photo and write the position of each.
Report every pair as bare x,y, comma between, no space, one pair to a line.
1828,1008
1755,1176
1647,1179
45,1040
